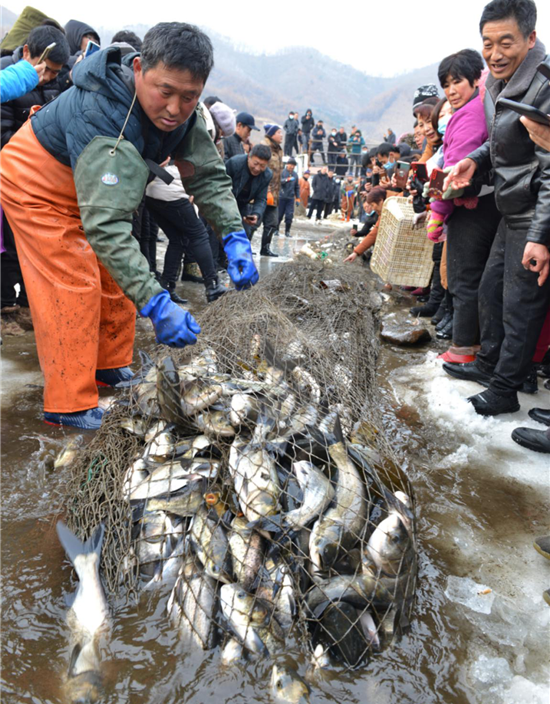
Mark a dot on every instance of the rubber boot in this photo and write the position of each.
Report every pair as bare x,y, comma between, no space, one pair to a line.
84,420
191,272
214,290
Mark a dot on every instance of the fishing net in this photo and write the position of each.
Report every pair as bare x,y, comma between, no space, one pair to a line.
253,470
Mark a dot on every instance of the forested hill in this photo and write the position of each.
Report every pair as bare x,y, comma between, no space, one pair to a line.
301,78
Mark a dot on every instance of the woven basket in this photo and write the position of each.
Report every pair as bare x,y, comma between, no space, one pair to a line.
401,255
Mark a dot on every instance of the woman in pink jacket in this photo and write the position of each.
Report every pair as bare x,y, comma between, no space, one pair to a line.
470,220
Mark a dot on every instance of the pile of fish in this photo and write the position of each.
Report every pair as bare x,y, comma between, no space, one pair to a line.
274,529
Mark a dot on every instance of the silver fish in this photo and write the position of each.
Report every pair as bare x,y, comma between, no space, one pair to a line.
250,619
210,543
89,613
173,476
199,394
186,502
232,652
255,479
340,527
277,587
243,408
214,422
318,493
191,604
390,545
246,550
69,452
359,590
287,685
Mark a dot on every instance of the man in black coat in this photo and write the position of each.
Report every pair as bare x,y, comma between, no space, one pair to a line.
289,194
333,149
514,292
251,176
322,193
234,145
291,128
307,125
317,135
14,114
342,138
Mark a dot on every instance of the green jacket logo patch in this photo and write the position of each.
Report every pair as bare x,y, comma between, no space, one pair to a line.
110,179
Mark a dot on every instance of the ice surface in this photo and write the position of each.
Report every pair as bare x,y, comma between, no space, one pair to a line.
487,671
464,590
522,691
443,400
510,664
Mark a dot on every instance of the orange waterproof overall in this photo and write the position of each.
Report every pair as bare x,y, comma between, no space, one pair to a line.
82,320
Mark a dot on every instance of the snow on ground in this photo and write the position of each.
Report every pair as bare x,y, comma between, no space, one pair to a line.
444,400
507,659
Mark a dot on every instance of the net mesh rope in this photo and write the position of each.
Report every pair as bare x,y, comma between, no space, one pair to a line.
254,468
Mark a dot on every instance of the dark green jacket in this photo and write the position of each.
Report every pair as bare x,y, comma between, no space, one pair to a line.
96,107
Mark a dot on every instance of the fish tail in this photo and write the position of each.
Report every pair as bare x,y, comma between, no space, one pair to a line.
331,437
74,546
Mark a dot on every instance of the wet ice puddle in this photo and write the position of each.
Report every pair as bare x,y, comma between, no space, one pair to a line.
509,663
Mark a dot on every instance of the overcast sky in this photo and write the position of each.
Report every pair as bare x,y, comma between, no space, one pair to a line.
380,38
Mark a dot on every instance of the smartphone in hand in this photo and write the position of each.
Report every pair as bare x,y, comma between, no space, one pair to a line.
420,171
44,55
437,179
91,48
402,174
526,110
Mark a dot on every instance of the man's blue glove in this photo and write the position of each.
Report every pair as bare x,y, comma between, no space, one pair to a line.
241,267
174,326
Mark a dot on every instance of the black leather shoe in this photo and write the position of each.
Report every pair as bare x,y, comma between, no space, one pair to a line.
446,332
268,253
439,315
444,320
178,299
487,403
287,234
531,384
468,372
214,290
424,311
541,415
536,440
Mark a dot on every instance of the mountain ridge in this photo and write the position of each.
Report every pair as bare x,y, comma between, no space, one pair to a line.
298,78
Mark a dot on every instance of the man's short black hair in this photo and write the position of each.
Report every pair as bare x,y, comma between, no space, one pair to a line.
178,46
41,37
261,151
210,100
466,64
523,11
395,148
384,149
129,38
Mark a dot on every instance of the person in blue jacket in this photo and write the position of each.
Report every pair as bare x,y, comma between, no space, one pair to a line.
19,79
288,195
